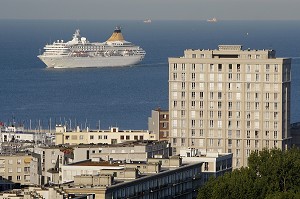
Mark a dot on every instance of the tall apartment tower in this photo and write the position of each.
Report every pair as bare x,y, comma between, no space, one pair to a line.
229,100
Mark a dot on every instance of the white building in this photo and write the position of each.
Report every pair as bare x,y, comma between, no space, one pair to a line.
229,100
215,164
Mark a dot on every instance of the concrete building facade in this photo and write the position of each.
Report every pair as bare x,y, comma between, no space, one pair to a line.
112,136
140,180
229,100
158,124
16,167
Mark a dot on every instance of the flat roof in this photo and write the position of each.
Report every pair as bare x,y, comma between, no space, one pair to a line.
91,163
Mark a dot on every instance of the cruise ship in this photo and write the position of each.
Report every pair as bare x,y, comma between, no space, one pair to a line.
80,53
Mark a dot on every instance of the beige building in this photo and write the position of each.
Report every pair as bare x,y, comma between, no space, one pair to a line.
16,167
35,192
138,180
48,161
229,100
214,164
112,136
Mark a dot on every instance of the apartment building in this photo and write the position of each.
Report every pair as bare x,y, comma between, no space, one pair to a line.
45,163
136,180
214,164
87,136
158,124
48,161
229,100
16,167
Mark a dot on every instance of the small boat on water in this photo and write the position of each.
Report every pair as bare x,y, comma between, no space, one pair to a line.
212,20
147,21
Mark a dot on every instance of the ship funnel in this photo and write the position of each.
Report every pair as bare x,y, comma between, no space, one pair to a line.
117,35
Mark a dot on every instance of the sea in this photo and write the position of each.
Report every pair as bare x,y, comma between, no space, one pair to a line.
32,95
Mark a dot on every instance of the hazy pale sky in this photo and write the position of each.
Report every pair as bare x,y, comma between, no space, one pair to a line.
154,9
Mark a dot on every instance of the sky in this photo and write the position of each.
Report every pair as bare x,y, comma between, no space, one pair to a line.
153,9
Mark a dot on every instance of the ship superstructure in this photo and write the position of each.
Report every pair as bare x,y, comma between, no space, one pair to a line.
80,53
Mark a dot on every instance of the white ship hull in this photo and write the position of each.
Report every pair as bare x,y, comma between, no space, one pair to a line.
88,62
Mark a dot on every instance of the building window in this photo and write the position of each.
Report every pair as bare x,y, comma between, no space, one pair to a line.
248,142
238,68
229,95
219,114
201,86
256,144
219,95
219,105
211,68
238,143
248,134
201,133
193,132
193,76
211,104
230,68
193,66
205,166
220,67
182,141
193,95
229,114
201,95
211,123
229,142
238,133
174,76
229,105
211,95
267,77
275,105
211,114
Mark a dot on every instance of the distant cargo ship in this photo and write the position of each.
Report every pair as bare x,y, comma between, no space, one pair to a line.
212,20
80,53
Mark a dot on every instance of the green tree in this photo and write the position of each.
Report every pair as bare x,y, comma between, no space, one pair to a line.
270,174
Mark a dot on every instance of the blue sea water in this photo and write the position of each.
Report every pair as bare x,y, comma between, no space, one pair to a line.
125,96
